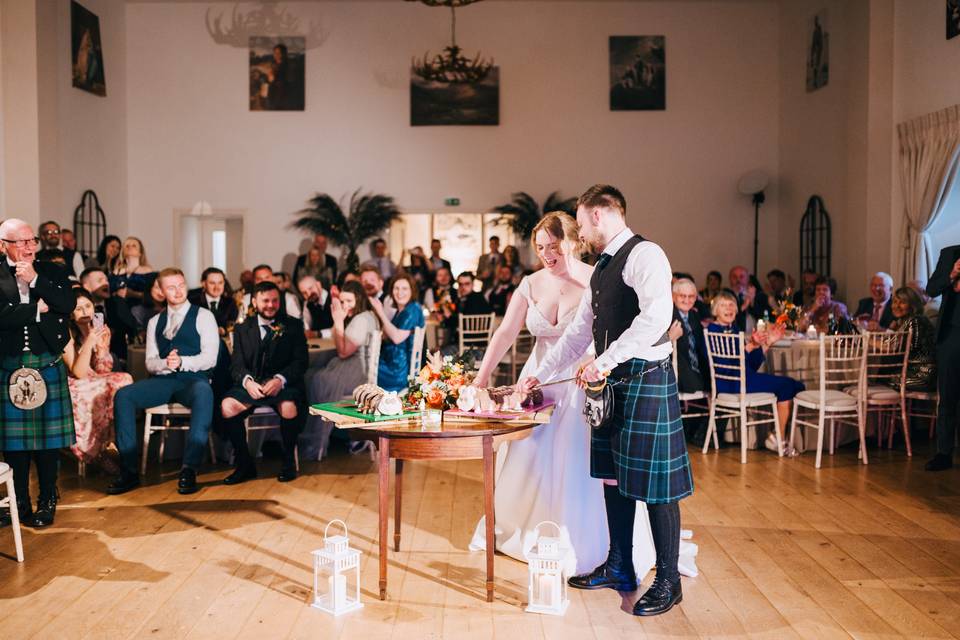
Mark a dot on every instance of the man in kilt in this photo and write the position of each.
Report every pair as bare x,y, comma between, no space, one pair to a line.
268,364
640,453
35,302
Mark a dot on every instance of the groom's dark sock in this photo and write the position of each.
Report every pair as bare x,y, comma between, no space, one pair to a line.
665,527
621,512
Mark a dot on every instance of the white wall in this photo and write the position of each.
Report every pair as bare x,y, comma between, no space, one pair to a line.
191,137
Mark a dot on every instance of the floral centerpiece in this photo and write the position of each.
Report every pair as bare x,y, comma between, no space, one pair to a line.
439,383
787,314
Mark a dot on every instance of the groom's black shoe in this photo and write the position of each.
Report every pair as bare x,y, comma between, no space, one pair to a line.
605,577
659,598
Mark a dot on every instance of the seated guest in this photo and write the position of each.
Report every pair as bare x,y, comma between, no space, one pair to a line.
751,301
264,273
692,362
777,286
246,282
724,309
354,328
121,321
499,294
511,258
54,246
380,260
182,348
436,261
347,276
317,263
488,262
134,268
108,259
714,286
316,306
468,302
808,282
93,383
215,295
875,312
268,363
824,307
442,291
397,344
283,282
153,303
69,243
372,283
420,268
908,314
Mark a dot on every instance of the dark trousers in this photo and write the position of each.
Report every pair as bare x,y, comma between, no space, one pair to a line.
289,432
189,389
48,467
948,385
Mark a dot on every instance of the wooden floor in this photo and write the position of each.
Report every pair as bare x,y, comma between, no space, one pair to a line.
785,551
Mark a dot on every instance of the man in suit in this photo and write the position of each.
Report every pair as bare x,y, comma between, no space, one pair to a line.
117,315
316,306
436,261
692,361
329,275
211,295
380,259
35,305
877,309
53,251
750,298
488,263
264,273
269,361
804,296
502,290
945,282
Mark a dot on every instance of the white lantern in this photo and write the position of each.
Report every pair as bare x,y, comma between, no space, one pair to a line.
547,587
336,574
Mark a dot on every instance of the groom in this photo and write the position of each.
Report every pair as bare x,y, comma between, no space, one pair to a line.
641,453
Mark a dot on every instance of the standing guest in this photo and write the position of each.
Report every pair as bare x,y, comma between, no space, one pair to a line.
380,259
123,325
214,294
264,273
437,262
824,306
268,363
808,282
316,306
35,304
420,269
714,286
317,262
908,315
487,265
499,294
442,291
511,258
398,332
93,383
134,268
51,237
752,303
875,311
182,348
945,282
153,303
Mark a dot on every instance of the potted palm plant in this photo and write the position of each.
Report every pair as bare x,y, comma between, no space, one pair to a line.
367,216
523,213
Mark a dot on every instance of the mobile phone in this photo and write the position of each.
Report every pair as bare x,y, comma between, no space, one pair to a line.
97,320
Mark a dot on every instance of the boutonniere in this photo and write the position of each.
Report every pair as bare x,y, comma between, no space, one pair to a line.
277,329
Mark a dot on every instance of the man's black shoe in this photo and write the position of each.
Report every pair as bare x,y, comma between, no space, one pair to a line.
604,577
24,512
188,481
287,474
126,481
46,510
939,462
659,598
241,474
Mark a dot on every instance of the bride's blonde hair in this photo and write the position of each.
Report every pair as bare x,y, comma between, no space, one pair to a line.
559,224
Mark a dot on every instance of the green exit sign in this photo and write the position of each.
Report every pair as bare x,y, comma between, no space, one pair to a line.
452,202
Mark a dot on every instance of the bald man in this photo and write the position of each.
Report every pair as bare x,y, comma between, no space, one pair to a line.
36,416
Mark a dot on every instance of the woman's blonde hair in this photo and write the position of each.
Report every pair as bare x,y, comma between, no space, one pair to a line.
143,250
560,225
721,297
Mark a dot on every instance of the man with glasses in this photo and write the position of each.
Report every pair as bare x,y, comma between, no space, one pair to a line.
53,251
36,416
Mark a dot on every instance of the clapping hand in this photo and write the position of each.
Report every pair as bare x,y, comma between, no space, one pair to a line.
173,360
337,312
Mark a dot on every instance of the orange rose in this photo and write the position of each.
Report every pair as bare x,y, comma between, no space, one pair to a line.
434,397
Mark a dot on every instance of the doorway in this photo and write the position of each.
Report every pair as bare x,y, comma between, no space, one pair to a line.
209,240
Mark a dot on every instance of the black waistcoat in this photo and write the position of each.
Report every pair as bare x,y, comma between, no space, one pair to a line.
614,302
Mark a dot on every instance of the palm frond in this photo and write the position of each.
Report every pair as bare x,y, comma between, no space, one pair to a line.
370,214
324,215
555,203
521,214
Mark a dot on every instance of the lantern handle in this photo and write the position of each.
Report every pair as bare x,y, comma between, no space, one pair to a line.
342,524
559,531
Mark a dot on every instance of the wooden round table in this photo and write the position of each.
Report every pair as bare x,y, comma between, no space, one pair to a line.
452,440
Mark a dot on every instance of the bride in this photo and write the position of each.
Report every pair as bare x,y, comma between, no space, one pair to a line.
547,476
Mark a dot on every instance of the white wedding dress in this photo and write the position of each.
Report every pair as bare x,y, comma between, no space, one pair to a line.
547,477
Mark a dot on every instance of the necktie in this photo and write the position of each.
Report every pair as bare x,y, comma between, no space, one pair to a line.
602,261
213,305
877,307
691,344
174,320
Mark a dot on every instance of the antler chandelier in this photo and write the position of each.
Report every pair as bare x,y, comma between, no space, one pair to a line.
451,66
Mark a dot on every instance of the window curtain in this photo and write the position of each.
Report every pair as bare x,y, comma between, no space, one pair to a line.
929,155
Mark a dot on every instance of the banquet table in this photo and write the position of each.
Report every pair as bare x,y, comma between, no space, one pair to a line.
453,439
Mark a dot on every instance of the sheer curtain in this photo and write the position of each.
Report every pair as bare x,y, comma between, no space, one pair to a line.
929,157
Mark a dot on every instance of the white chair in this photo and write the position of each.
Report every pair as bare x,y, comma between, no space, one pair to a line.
167,413
886,372
931,399
840,393
474,331
10,501
727,362
692,405
416,353
265,419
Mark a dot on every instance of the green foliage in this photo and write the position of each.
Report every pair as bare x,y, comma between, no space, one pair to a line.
523,213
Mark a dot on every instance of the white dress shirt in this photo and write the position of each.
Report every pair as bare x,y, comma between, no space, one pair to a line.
209,342
78,265
647,271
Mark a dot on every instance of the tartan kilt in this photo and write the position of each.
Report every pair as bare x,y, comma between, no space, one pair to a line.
49,426
643,447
